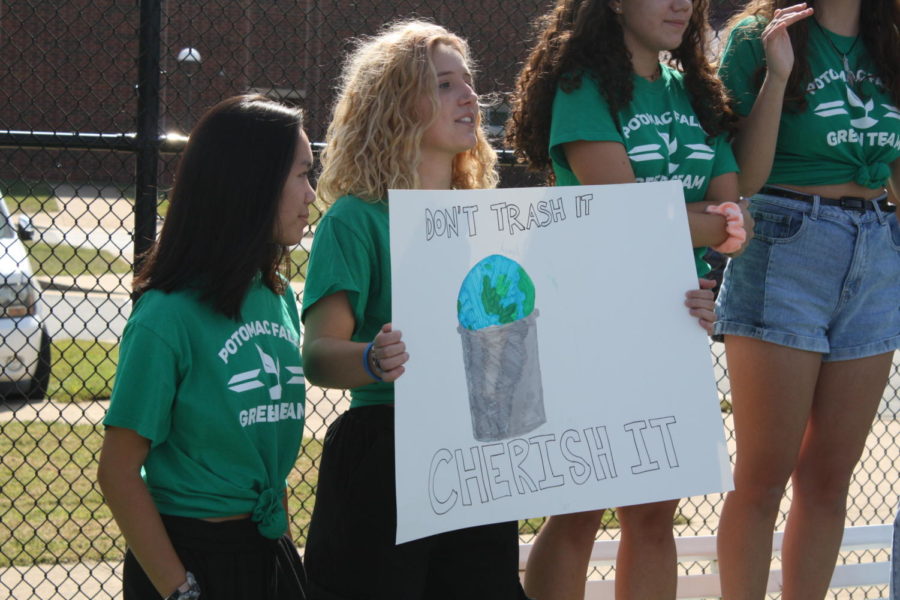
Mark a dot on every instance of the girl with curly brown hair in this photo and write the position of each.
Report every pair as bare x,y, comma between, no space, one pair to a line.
810,312
595,103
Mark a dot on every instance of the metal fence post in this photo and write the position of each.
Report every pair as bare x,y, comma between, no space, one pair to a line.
85,107
148,88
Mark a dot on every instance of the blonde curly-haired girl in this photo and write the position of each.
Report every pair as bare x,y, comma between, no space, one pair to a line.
406,117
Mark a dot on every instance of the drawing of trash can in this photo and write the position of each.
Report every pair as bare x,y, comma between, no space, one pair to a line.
498,327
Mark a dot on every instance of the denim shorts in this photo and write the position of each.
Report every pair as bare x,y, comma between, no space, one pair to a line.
817,278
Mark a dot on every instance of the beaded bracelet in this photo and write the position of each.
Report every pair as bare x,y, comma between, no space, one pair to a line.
365,362
734,226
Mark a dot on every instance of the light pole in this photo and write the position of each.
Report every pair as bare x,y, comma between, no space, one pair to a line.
189,59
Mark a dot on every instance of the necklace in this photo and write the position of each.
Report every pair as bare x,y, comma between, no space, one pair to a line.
852,79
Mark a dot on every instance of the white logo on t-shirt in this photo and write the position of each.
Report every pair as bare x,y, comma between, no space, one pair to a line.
247,380
701,152
647,152
671,148
831,109
865,121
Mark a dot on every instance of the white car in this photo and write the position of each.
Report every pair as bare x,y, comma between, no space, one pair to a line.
24,341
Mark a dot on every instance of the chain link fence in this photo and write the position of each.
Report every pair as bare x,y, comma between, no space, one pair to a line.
96,97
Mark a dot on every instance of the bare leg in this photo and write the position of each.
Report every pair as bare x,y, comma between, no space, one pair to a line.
646,566
847,395
772,391
558,563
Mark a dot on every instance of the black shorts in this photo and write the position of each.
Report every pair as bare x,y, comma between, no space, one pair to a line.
350,552
231,561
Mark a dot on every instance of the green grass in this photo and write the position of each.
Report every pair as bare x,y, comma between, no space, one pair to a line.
51,508
316,210
62,259
31,197
82,370
52,511
302,482
162,205
28,197
299,262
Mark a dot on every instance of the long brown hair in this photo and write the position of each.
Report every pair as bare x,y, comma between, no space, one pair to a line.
579,37
879,30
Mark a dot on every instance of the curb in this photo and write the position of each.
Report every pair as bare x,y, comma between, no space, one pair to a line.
57,286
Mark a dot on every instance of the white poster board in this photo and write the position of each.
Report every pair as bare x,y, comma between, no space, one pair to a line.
553,365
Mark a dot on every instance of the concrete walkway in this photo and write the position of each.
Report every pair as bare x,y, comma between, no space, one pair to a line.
74,581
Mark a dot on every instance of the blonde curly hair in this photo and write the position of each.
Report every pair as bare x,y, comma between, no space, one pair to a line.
373,141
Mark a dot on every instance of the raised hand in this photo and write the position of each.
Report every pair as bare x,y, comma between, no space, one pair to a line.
777,43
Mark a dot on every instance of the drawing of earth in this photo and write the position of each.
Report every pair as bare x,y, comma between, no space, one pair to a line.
498,328
496,291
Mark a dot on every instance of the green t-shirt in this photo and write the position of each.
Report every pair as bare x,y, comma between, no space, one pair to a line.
221,401
842,135
658,128
351,253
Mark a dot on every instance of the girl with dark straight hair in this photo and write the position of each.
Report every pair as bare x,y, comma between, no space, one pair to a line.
218,230
207,410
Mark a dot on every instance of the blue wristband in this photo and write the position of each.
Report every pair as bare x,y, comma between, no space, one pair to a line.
366,363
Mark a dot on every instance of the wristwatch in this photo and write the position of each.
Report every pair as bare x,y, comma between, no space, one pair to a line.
189,590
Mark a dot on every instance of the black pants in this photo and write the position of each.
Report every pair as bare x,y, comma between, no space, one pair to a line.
231,561
351,554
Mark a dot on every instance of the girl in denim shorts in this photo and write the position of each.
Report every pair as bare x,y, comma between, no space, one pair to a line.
810,312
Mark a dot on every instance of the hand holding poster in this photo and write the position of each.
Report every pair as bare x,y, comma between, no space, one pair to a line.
553,366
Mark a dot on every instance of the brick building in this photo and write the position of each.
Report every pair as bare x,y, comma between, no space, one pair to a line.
72,66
